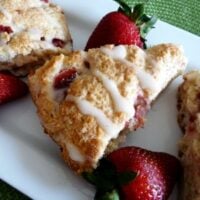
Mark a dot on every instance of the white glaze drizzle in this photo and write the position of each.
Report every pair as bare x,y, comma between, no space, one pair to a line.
121,103
58,94
74,152
147,81
106,124
118,52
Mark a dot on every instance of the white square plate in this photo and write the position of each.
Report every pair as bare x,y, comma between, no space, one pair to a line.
30,161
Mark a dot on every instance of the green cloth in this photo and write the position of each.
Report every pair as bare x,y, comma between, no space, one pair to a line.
184,14
181,13
9,193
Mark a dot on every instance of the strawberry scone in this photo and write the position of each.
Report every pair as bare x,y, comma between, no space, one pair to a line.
88,101
189,146
30,32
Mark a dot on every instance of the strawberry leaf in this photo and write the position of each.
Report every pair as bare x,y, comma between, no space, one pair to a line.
126,177
103,177
147,25
107,180
90,177
105,169
100,181
124,8
137,12
112,195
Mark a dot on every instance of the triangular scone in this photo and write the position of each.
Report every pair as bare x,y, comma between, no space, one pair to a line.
109,92
31,31
189,146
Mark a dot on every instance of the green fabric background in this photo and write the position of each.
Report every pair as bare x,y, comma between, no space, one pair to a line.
181,13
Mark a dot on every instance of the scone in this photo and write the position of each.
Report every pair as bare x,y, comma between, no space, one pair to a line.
88,101
30,32
189,146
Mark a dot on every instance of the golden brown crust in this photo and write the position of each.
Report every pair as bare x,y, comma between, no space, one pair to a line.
189,121
84,133
32,27
188,98
70,124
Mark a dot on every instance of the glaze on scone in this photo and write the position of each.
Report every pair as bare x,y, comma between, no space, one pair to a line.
109,95
30,32
189,146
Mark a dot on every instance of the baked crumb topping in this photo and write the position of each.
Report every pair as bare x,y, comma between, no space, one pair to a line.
109,96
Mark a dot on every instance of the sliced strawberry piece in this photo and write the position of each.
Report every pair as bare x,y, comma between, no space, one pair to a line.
64,78
58,42
7,29
141,108
11,88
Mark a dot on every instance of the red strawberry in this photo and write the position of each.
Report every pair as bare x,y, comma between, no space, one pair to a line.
156,175
64,78
11,88
125,26
157,172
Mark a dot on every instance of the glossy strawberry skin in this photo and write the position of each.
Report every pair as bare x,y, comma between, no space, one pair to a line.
11,88
157,173
115,28
64,78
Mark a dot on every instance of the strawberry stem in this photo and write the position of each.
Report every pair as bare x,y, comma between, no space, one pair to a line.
124,7
107,180
147,25
111,195
136,14
124,178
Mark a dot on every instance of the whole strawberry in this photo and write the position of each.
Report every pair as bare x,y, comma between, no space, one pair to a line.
126,26
133,173
11,88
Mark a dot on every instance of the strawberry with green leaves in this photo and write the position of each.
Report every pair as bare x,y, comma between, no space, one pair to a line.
128,25
133,173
